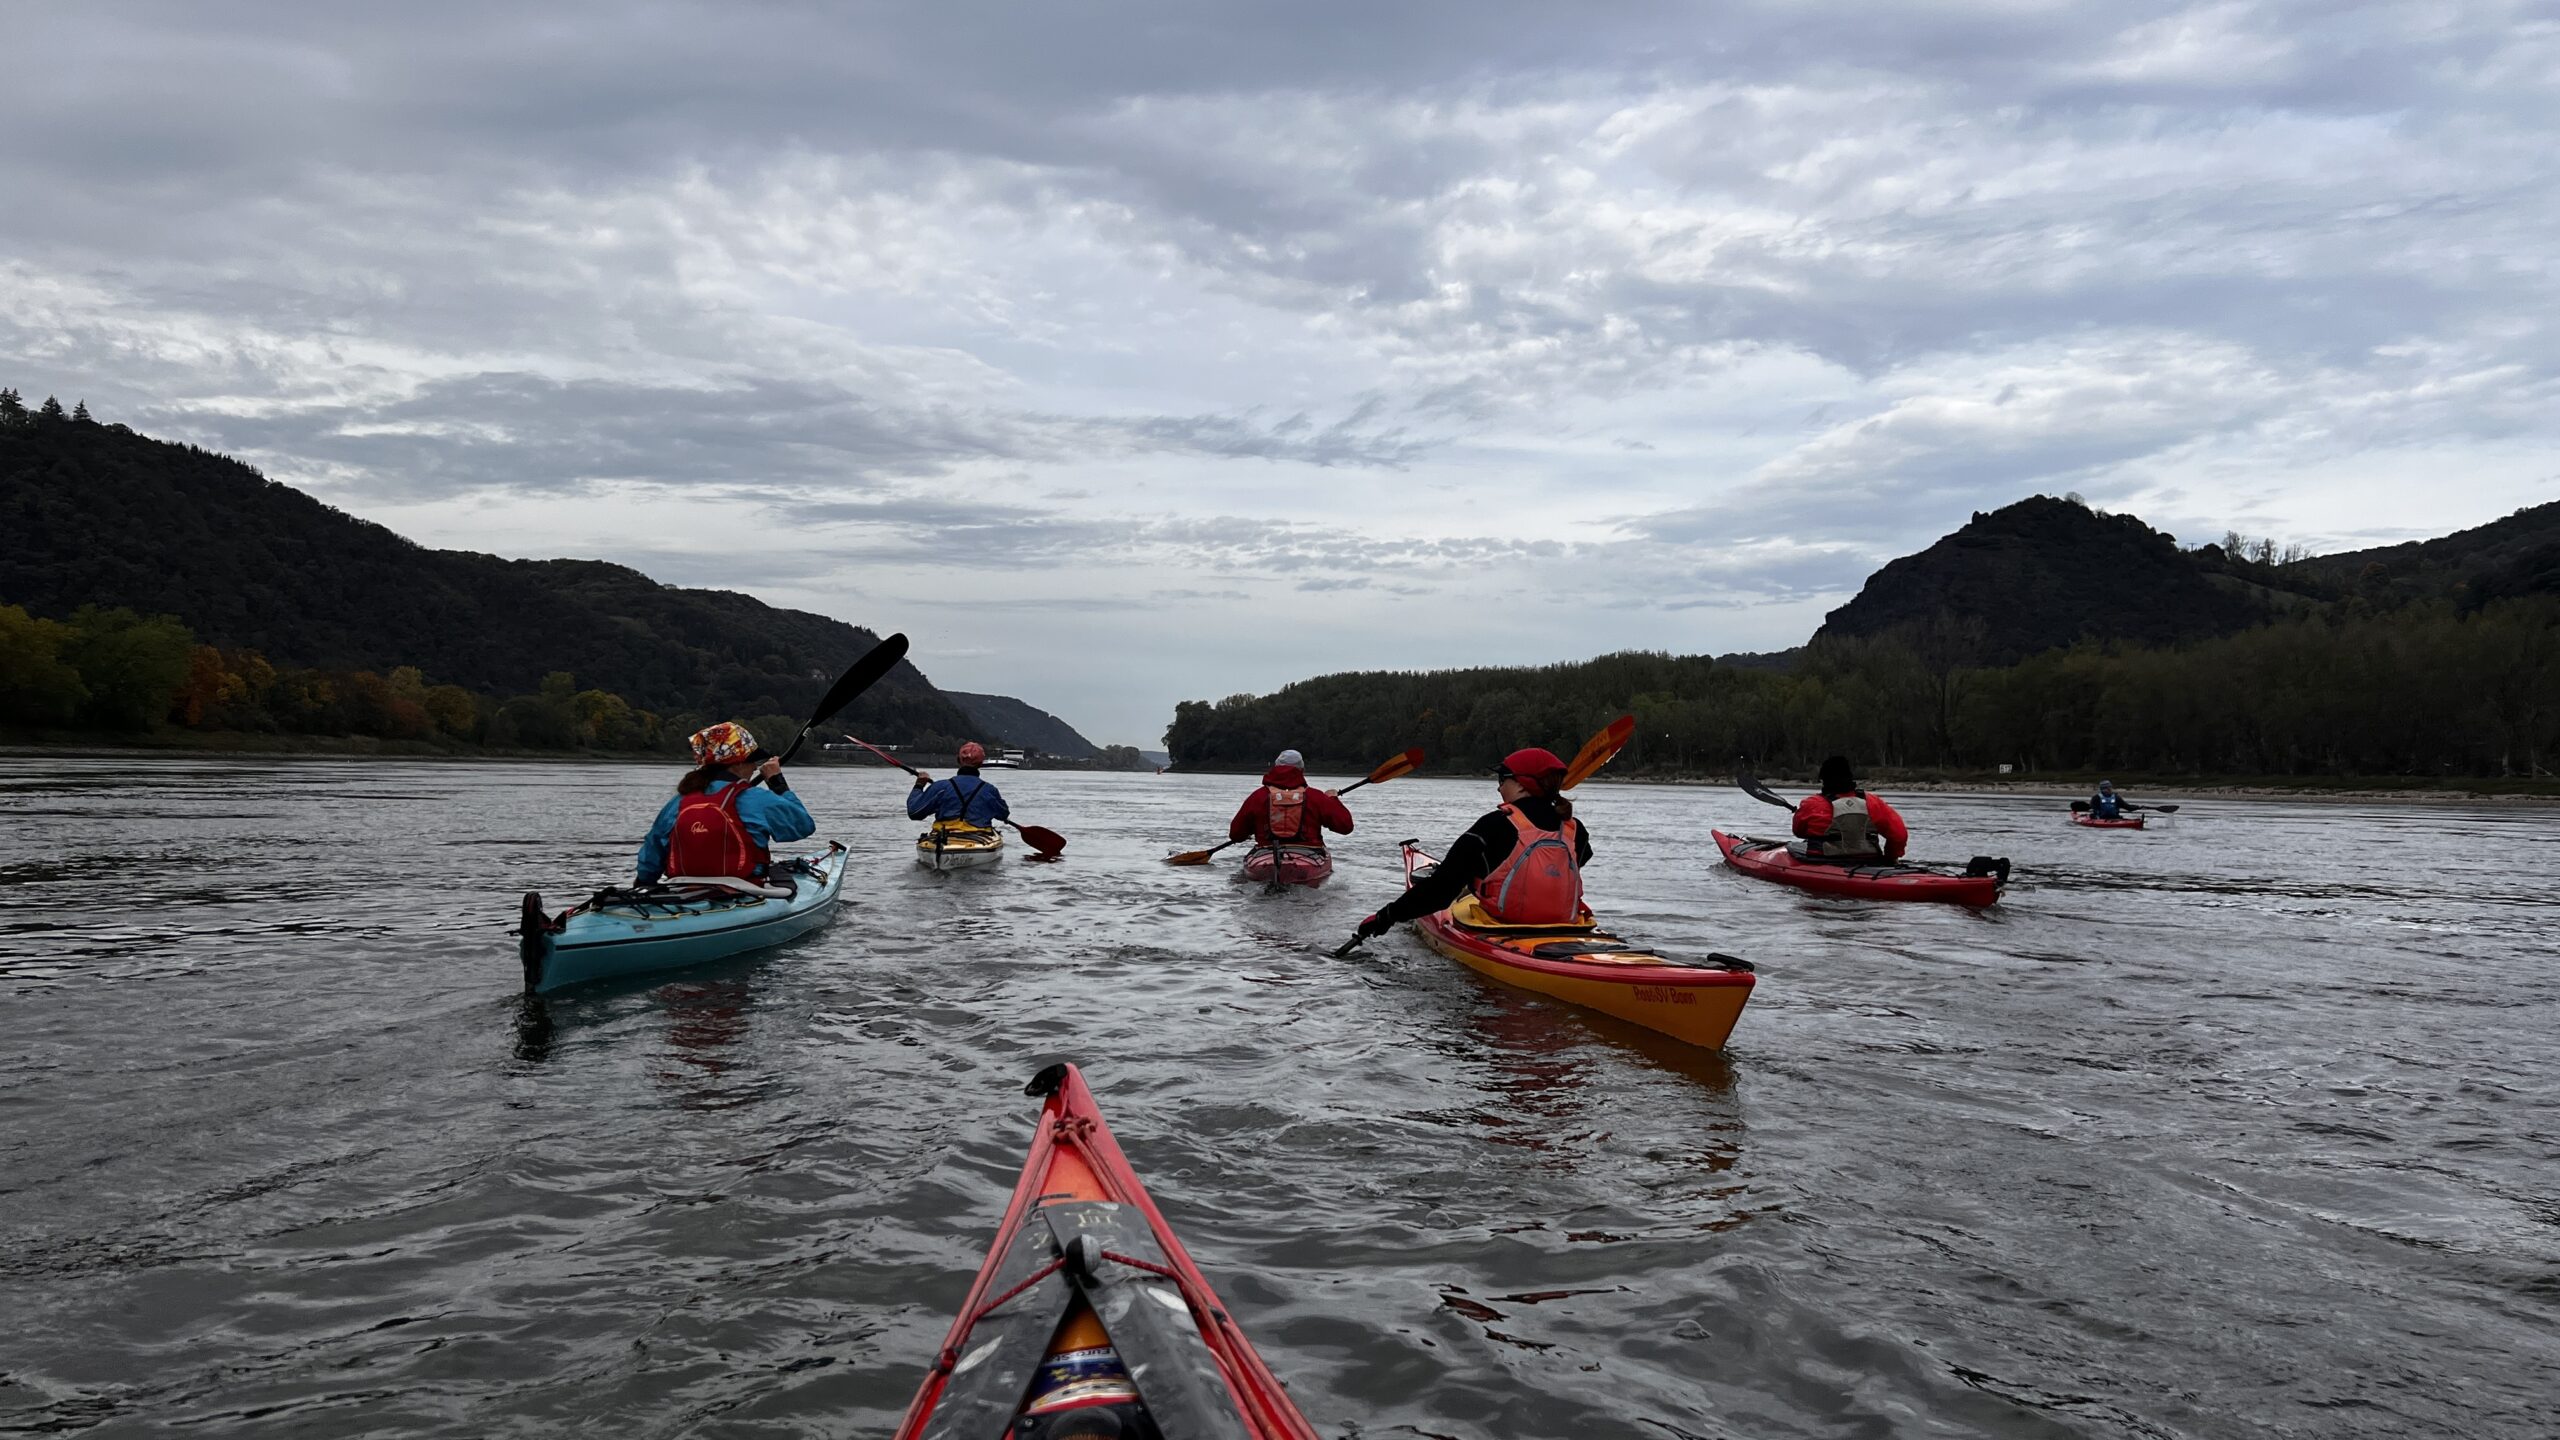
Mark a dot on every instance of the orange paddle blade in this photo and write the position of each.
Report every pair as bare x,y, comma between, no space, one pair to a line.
1404,764
1599,750
1188,857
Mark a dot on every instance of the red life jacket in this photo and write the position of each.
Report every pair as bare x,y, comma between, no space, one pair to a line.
1539,882
710,840
1287,814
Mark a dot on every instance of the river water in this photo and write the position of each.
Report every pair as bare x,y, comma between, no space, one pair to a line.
2242,1126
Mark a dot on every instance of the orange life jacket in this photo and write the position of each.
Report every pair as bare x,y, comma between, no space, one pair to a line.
711,840
1540,881
1288,812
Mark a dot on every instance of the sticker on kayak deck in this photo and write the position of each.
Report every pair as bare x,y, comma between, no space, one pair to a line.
1082,1394
1076,1378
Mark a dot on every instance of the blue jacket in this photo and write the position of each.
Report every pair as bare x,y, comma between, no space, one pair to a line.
2107,807
962,797
767,816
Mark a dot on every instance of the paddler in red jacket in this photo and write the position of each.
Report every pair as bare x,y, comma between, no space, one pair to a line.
1845,822
1523,860
1285,812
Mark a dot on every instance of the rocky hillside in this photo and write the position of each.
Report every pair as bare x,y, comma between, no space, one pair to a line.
97,514
2046,573
1024,725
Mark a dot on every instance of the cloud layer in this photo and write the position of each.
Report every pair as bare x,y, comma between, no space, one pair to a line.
1292,338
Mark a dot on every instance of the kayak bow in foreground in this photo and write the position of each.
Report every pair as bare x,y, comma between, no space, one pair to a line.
1882,880
1089,1318
678,922
1693,1000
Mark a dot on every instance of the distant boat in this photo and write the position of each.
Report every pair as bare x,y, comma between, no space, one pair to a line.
1007,760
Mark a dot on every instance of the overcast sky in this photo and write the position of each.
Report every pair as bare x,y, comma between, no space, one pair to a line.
1123,353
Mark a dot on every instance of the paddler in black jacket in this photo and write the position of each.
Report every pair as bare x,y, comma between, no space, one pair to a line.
1523,888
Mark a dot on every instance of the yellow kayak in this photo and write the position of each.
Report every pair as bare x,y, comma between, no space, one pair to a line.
956,845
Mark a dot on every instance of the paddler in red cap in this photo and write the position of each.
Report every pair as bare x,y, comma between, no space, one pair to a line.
965,801
1523,861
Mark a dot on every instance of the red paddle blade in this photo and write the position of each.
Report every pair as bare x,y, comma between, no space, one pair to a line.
1404,764
1042,838
1599,750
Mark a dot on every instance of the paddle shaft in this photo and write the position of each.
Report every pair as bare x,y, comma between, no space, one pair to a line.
1046,842
885,755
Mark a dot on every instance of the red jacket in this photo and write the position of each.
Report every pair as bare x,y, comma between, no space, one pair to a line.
1813,821
1323,812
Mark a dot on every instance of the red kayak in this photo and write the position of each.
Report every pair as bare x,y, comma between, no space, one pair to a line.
2128,822
1308,865
1772,860
1033,1355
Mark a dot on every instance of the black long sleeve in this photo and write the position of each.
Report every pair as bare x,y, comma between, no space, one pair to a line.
1476,854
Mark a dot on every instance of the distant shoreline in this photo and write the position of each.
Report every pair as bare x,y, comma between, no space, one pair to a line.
2166,789
2169,789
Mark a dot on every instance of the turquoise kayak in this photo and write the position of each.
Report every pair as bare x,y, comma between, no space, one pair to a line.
625,931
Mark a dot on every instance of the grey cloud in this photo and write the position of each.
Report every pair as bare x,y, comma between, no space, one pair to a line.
840,262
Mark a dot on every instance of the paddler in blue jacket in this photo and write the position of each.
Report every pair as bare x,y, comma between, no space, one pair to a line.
720,822
2107,804
963,800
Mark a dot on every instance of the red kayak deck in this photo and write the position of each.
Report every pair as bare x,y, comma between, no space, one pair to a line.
1307,865
2129,822
1081,1240
1772,860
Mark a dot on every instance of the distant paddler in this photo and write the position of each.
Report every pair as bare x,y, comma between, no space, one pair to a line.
720,823
1286,820
965,801
1844,822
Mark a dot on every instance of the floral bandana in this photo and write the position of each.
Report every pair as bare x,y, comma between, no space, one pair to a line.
726,743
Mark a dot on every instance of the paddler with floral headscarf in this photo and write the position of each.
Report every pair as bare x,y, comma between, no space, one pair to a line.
1286,812
720,822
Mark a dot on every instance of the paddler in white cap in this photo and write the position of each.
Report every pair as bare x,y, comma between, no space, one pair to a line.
1285,812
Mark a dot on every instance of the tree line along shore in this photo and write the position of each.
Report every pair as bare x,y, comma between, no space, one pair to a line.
2432,694
112,676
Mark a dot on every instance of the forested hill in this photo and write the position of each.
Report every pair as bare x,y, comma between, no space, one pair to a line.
2046,573
1024,725
98,515
2044,636
2519,555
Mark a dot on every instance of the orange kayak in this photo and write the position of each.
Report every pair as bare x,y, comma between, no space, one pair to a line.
1693,1000
1033,1355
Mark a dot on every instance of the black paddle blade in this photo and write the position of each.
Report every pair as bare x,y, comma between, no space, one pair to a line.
1354,943
866,672
1751,786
